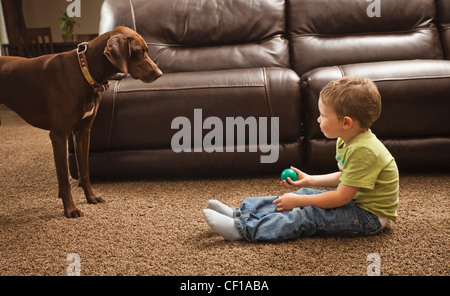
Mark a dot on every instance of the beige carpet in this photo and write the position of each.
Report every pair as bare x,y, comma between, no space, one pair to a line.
156,227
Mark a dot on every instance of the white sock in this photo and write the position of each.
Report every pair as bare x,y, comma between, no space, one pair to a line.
222,224
220,207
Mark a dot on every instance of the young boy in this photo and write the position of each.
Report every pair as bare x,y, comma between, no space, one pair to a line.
367,182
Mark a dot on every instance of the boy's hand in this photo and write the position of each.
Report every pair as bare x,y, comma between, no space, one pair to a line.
302,180
325,200
288,201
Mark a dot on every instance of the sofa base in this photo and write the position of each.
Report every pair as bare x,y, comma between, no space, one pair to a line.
164,163
408,153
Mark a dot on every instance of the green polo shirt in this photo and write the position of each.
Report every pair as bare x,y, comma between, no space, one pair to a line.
367,164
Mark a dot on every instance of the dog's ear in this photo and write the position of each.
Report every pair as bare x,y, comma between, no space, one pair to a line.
117,51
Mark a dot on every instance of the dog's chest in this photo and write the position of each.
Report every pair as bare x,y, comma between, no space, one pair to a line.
89,113
89,108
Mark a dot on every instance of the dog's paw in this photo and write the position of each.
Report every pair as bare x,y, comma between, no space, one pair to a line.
73,213
94,200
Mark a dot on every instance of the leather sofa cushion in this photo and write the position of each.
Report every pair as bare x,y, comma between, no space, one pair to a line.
192,35
204,23
271,52
131,135
415,104
415,96
326,33
135,115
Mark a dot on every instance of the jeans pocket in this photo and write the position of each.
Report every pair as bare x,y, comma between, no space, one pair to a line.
342,221
351,221
370,222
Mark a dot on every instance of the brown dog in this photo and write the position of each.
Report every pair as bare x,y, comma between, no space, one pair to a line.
60,93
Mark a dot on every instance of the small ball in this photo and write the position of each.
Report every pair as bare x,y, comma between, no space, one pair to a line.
289,173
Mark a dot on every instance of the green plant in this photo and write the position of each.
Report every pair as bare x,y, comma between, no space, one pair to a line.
67,24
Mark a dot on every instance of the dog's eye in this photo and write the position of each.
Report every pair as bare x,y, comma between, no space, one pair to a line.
138,53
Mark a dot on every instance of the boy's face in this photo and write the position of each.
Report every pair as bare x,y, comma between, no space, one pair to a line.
330,124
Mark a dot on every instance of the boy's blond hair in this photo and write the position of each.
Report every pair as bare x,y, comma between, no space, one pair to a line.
355,97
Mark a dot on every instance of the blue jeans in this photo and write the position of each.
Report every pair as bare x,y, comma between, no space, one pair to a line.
257,219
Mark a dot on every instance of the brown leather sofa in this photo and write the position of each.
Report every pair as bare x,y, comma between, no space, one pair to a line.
239,59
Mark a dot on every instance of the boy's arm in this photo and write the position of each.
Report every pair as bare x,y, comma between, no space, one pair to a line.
328,180
327,200
303,179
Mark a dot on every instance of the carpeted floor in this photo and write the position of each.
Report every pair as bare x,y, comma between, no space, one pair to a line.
156,227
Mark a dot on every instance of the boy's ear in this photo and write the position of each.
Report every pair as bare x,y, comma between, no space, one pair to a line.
348,122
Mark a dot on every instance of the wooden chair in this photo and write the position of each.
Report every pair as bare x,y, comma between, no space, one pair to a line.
35,42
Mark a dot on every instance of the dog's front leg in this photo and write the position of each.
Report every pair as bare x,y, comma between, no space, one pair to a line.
59,144
81,141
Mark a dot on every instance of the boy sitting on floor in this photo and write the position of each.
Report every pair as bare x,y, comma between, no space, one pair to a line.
367,182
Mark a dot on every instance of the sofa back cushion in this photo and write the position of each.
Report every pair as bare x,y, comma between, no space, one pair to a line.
339,32
192,35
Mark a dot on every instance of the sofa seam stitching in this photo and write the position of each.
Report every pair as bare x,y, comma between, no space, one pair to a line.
361,34
267,89
133,15
113,112
341,70
191,87
412,77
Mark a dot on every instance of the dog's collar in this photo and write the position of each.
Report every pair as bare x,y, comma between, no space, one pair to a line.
97,87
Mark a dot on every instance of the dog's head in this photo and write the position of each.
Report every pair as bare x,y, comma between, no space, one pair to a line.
127,51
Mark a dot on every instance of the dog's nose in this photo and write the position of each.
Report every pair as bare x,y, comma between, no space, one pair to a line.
158,73
151,76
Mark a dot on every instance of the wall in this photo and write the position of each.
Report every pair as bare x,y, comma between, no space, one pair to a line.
45,13
3,34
